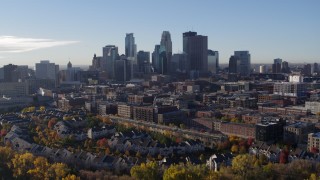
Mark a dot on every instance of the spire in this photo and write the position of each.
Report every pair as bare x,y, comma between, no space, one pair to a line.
69,65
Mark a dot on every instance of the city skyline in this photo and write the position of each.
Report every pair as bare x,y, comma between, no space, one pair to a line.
61,31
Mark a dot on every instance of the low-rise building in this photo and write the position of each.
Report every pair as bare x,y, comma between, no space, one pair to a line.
298,132
314,141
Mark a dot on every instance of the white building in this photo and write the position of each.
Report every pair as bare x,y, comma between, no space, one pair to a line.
293,89
295,78
262,69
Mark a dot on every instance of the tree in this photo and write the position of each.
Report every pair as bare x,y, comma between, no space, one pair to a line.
202,158
283,159
102,143
242,164
3,132
39,171
6,154
21,164
188,171
58,170
42,108
234,148
242,150
52,122
145,171
71,177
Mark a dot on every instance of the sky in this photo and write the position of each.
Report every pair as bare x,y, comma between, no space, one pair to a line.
60,30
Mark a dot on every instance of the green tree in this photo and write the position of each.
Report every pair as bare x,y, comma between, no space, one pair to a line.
146,171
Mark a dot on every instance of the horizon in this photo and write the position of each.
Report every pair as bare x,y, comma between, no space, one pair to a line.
61,31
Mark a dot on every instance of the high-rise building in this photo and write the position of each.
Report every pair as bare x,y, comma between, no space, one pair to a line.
234,64
131,52
96,63
167,44
213,61
179,63
130,47
315,68
46,70
109,56
159,60
285,67
245,62
196,48
262,69
123,69
8,71
143,59
307,70
276,66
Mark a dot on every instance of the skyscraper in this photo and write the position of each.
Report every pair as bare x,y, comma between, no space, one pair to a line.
131,51
179,63
159,60
196,48
245,62
315,68
213,61
130,47
123,69
307,70
109,55
143,58
276,66
167,44
8,72
234,64
285,67
46,70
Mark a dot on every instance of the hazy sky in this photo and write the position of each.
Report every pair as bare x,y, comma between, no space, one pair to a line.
60,30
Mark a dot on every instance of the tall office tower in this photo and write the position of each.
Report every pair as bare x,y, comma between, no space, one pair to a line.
179,63
123,69
8,71
245,62
307,71
315,68
143,59
131,51
130,47
109,56
213,61
159,60
276,66
234,64
46,70
196,48
285,67
21,73
167,44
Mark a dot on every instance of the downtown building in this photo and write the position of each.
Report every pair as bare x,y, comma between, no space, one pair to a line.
162,54
240,63
213,61
109,56
196,49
